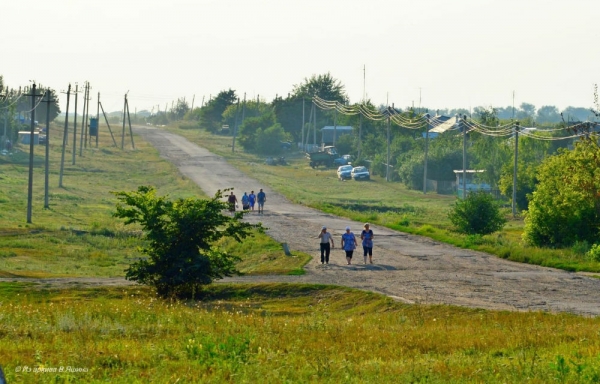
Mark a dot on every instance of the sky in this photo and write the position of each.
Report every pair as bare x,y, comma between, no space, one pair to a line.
430,53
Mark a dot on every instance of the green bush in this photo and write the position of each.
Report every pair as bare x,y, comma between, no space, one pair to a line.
477,214
594,252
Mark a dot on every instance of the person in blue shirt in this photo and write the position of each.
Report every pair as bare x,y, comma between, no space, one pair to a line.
252,198
349,244
260,199
367,242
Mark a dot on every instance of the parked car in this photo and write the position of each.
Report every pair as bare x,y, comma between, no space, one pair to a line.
360,173
344,172
346,159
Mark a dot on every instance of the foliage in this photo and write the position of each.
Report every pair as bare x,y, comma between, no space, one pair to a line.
181,236
324,86
594,252
211,115
268,140
249,129
565,207
477,214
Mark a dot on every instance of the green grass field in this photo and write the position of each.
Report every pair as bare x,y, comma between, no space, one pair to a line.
283,333
388,204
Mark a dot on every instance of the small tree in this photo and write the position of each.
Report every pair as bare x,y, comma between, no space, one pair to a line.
181,235
477,214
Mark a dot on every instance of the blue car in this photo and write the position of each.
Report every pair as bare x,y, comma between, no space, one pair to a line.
344,172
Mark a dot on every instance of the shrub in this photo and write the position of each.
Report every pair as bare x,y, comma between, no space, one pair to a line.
594,252
477,214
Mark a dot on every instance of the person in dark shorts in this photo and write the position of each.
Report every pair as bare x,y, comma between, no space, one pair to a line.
367,242
349,244
326,238
232,202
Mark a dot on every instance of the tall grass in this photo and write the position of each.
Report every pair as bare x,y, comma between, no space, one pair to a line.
284,333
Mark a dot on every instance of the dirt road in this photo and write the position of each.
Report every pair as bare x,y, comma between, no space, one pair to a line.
409,268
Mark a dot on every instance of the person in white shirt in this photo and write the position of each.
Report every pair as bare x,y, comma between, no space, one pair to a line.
326,238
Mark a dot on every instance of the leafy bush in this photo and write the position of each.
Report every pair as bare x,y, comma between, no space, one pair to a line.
180,235
565,206
594,252
477,214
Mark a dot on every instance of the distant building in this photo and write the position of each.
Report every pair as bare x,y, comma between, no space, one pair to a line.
328,132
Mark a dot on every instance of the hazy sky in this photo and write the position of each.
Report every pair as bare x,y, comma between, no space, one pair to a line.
459,53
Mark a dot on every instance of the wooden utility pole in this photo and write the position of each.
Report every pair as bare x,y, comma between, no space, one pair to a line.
82,131
303,117
193,98
65,137
514,191
464,180
334,125
31,144
123,130
98,119
47,163
129,120
427,127
86,126
75,124
107,123
387,166
235,125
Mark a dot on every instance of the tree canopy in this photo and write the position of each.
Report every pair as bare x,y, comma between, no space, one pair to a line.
180,235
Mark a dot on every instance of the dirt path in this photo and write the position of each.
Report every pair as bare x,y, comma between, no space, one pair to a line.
408,268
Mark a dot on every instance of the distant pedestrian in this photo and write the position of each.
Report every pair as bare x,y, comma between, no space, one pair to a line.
349,244
367,242
261,198
326,238
245,202
232,201
252,199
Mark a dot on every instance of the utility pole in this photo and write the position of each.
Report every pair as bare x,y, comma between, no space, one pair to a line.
193,98
129,121
47,163
65,137
514,191
359,134
243,109
334,125
387,166
123,131
107,123
427,127
75,124
464,180
31,143
82,131
235,125
98,119
315,124
303,116
87,116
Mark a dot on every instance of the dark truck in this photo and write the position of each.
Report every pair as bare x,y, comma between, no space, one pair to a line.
326,157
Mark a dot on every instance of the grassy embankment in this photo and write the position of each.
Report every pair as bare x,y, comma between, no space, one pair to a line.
283,333
77,236
388,204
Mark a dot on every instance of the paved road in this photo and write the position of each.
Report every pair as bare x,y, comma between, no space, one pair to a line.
409,268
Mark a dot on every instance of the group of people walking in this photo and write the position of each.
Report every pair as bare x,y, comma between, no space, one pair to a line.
248,201
348,244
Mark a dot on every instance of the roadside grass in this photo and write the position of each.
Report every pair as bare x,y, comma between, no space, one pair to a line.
77,235
387,204
275,333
